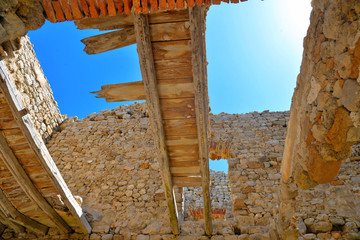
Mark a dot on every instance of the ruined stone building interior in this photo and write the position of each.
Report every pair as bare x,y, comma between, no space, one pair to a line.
141,171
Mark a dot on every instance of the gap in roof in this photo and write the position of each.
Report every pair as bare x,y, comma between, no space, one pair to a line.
254,50
73,74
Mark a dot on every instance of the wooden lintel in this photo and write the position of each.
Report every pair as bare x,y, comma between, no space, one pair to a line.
109,41
38,146
129,91
187,181
197,15
142,31
14,166
15,216
122,20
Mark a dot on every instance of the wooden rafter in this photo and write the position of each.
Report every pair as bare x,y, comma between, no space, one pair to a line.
15,216
129,91
142,31
197,15
10,224
14,166
38,146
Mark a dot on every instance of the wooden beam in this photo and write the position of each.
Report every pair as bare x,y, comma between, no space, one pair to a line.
15,216
179,88
109,41
187,181
38,146
16,227
122,20
130,91
147,67
14,166
197,15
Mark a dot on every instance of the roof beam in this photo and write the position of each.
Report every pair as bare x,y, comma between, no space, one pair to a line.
14,166
109,41
16,227
15,216
197,15
38,146
142,31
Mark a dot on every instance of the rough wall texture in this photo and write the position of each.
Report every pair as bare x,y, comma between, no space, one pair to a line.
34,88
221,203
108,159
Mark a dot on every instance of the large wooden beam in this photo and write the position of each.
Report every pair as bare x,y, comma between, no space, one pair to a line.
142,31
122,20
14,166
38,146
197,15
16,227
15,216
109,41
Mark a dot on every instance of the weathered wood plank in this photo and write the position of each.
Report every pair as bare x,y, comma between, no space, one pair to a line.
171,49
182,150
37,144
146,60
26,184
122,20
174,73
173,63
176,88
130,91
180,126
185,171
197,16
185,158
185,164
175,108
181,140
109,41
16,227
14,215
170,31
187,181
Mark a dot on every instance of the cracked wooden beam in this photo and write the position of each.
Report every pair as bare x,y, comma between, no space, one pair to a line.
142,31
36,143
197,15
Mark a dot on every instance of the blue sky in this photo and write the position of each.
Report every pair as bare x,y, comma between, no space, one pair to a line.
254,50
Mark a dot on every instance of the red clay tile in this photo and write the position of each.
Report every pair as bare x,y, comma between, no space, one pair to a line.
50,14
94,12
85,7
199,2
191,3
58,11
67,10
102,6
119,5
111,8
76,10
137,7
154,5
180,4
145,6
127,6
171,4
163,5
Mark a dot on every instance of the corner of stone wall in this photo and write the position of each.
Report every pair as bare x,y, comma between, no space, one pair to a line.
34,89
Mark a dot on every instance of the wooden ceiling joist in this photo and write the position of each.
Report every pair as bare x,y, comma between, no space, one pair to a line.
10,224
15,216
39,149
122,21
197,15
12,163
142,31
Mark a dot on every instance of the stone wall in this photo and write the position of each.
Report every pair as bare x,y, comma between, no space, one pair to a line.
108,159
34,89
220,195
